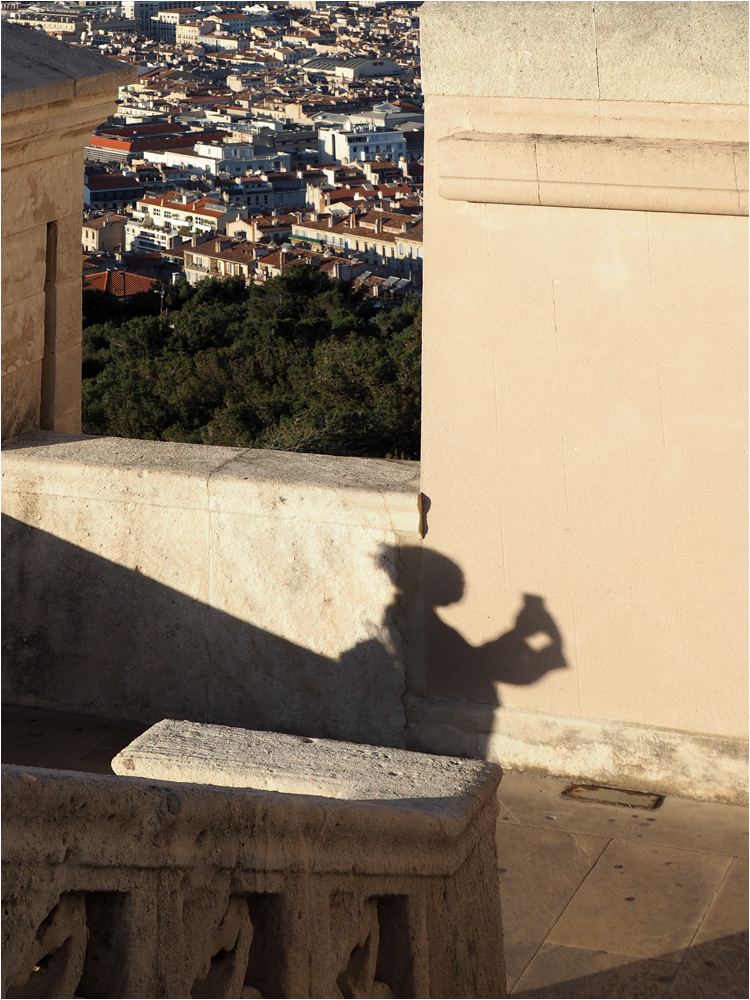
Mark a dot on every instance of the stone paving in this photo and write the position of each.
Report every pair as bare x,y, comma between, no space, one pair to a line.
598,900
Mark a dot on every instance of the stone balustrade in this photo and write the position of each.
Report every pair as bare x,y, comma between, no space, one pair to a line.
346,871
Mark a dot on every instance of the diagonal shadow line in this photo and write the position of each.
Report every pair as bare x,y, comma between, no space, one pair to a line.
711,969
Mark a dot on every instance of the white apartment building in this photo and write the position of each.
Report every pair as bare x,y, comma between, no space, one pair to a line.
160,223
352,142
213,158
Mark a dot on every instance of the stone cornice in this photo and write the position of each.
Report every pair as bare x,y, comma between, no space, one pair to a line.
654,175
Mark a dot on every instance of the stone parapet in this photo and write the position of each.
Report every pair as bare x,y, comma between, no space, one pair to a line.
132,887
244,587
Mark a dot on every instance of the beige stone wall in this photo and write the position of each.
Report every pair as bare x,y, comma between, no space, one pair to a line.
44,131
585,358
253,588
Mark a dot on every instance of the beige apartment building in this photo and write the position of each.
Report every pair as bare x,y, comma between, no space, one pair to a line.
104,234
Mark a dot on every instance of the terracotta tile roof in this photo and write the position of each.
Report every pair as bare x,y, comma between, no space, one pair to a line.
118,283
197,207
243,251
103,220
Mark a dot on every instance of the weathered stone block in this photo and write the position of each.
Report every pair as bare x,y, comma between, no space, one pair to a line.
64,315
24,264
22,396
68,250
23,332
381,884
61,391
40,192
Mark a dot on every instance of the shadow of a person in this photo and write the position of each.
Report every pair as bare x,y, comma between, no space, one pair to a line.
453,668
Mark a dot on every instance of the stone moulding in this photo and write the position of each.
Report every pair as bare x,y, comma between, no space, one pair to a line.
130,887
651,175
709,768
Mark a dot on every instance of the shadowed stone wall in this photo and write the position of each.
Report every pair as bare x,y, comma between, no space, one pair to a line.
53,96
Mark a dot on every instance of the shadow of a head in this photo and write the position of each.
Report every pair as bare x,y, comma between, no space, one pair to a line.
454,667
443,580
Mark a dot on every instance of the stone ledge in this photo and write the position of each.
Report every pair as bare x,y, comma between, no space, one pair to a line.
39,70
660,52
372,492
450,789
701,766
595,172
156,823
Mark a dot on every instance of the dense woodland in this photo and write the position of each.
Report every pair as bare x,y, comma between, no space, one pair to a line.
300,363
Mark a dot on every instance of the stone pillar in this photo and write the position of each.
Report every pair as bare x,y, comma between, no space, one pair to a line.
53,97
584,442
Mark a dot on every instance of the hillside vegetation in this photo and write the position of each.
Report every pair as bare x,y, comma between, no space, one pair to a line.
297,364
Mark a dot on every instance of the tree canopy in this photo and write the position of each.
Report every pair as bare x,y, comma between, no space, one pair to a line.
299,363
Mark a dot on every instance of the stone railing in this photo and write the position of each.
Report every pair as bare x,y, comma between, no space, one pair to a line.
228,585
379,880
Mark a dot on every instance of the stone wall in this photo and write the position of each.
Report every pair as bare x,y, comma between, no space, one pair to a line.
144,579
53,96
586,329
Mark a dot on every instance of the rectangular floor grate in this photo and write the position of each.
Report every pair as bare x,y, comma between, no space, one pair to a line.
613,796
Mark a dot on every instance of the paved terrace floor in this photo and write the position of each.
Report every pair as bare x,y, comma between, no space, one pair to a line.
598,900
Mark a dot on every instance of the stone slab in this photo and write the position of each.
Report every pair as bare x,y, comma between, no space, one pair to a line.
710,827
37,68
174,750
642,901
540,872
669,52
364,492
557,971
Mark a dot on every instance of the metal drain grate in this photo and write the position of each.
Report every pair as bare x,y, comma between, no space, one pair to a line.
613,796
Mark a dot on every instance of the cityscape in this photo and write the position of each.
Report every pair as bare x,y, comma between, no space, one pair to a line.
257,137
